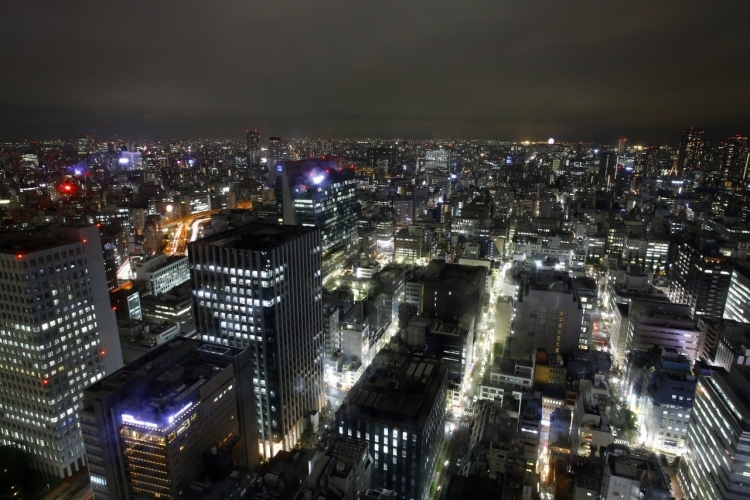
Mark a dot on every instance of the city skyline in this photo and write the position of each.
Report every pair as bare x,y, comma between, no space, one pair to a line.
505,71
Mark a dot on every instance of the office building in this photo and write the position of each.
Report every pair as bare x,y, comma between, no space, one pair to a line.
398,407
150,426
654,324
451,290
550,314
259,287
735,160
383,159
253,153
58,334
715,463
408,246
438,160
321,193
666,400
174,305
162,273
738,296
701,277
691,149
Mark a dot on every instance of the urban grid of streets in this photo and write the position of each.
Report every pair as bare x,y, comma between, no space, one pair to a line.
495,328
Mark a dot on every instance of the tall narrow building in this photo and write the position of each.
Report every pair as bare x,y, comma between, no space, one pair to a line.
701,277
58,335
691,148
259,287
714,467
253,154
321,193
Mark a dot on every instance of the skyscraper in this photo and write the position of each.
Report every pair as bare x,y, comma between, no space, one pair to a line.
691,148
735,160
275,155
59,335
253,153
148,426
701,277
259,287
715,464
321,193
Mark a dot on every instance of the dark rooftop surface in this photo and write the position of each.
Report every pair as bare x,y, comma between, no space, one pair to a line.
396,389
19,244
256,236
440,271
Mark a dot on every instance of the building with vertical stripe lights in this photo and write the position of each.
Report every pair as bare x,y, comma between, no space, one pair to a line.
259,287
716,465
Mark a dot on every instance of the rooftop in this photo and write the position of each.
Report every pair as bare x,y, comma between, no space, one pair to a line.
454,274
255,236
21,244
396,389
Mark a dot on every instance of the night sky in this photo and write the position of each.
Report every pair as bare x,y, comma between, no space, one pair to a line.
573,70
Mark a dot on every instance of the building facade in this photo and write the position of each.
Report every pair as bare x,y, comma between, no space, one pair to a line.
259,287
398,407
715,464
148,425
58,334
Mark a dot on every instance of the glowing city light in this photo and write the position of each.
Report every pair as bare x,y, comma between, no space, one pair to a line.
130,419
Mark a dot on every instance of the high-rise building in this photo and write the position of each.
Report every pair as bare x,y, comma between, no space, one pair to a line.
383,159
253,153
691,148
398,407
275,156
59,335
321,193
149,426
715,464
438,160
259,287
735,160
738,296
701,277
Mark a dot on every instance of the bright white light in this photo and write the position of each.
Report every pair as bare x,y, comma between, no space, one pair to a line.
551,141
123,161
318,179
169,208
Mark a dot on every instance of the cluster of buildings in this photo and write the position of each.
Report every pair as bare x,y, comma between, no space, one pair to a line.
364,319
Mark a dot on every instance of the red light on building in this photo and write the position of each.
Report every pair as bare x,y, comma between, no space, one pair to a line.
19,255
85,241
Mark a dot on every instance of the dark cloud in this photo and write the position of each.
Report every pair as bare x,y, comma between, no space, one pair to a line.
495,69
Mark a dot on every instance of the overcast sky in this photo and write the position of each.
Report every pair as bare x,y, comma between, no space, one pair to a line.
521,69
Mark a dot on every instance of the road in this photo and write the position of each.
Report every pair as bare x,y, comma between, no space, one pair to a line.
187,226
